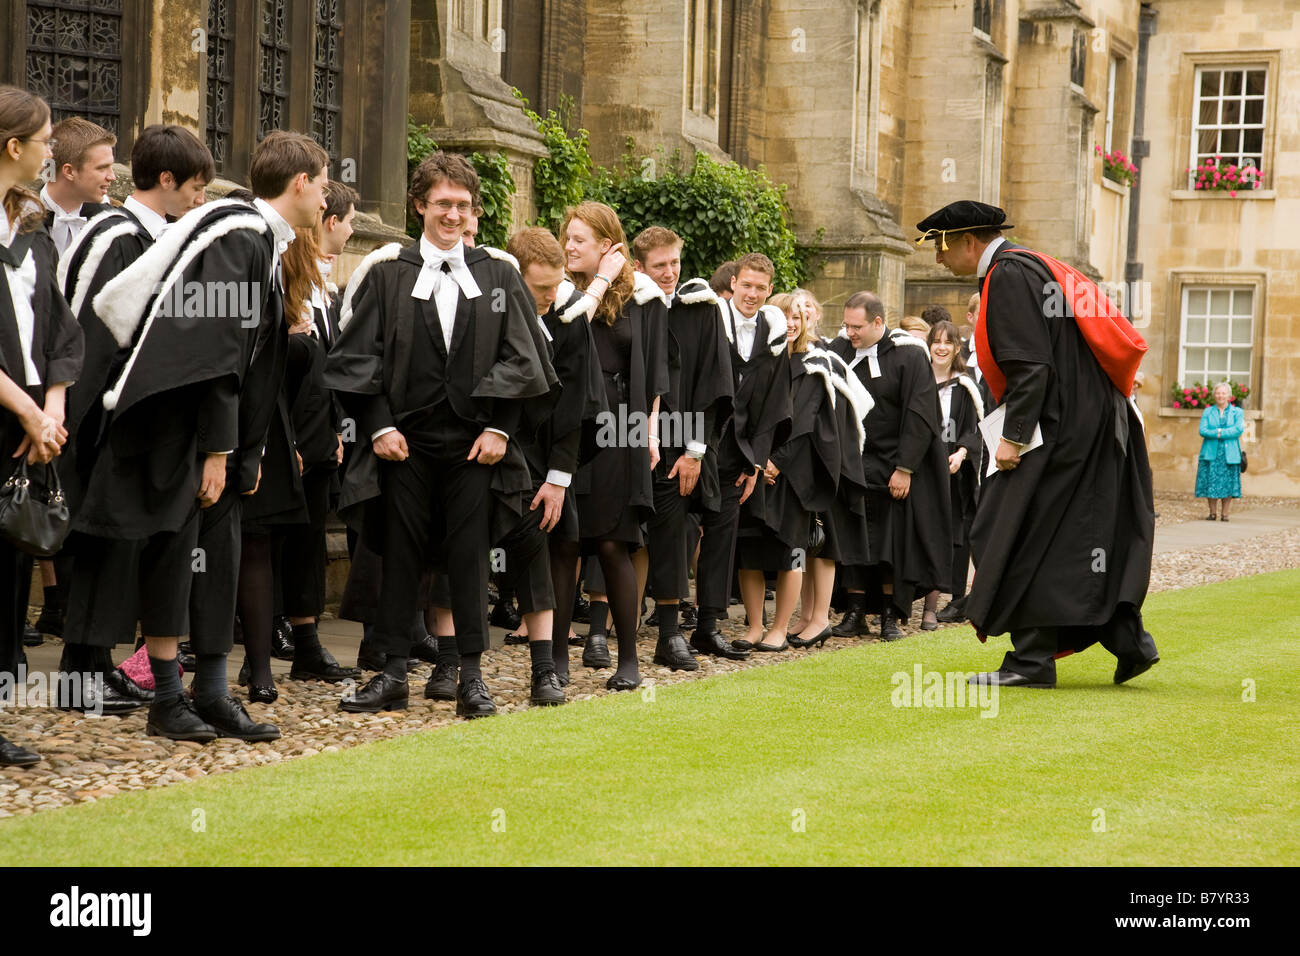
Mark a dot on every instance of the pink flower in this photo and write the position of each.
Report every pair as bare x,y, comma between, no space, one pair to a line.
1232,192
1177,405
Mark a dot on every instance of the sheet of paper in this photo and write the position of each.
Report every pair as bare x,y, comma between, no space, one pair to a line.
991,430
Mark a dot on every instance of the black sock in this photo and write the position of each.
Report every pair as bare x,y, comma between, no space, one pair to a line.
599,618
858,602
470,667
53,599
448,652
210,678
166,679
77,658
305,639
539,652
706,620
667,620
395,666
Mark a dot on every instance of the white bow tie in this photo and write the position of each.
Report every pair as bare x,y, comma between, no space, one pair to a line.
748,324
61,218
432,271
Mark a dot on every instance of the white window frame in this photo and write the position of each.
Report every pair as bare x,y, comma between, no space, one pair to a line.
1110,104
1195,156
1248,347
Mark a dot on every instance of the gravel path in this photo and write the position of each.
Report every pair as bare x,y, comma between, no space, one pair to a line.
93,758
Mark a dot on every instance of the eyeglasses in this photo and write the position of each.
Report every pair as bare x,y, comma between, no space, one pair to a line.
51,142
444,207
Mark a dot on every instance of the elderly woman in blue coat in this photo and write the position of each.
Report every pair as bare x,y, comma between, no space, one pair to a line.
1218,473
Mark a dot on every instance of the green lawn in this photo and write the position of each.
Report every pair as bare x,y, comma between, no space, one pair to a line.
805,763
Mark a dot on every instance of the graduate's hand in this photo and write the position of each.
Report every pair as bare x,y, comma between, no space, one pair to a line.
749,480
655,454
338,452
257,482
955,460
43,439
770,473
391,446
297,454
55,400
489,448
687,472
1007,456
551,499
214,480
900,483
612,262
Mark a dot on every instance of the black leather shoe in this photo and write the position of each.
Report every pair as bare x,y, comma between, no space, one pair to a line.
562,679
577,640
245,674
514,639
596,653
50,622
1127,669
622,683
953,613
852,624
783,646
798,641
425,649
381,692
282,639
176,719
1006,679
473,699
185,654
673,653
32,637
263,695
320,665
117,679
546,691
889,625
11,755
505,615
230,719
687,616
369,659
89,693
581,609
929,625
442,685
712,642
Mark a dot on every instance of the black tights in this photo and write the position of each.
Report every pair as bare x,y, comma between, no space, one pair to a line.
620,587
257,605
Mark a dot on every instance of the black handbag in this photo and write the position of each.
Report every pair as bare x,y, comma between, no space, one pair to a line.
33,512
1243,461
816,535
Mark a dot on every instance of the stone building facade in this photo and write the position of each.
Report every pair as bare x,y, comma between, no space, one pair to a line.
873,112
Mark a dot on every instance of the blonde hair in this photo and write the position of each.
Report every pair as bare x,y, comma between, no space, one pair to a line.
605,225
914,323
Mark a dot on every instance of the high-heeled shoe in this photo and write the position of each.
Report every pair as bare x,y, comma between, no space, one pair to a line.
622,683
783,646
262,695
929,625
812,641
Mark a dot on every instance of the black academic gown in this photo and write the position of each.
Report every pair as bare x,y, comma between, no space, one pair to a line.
1065,538
193,382
618,477
700,384
103,249
498,360
910,539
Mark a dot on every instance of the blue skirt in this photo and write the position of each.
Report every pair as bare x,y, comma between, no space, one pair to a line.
1217,478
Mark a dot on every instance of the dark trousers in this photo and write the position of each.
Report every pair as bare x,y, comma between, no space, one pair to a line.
1035,649
437,509
303,555
13,606
522,561
666,542
714,573
216,580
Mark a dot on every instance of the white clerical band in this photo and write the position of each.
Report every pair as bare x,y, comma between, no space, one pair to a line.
561,479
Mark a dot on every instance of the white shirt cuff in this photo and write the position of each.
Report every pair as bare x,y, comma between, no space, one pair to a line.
497,431
561,479
383,431
696,449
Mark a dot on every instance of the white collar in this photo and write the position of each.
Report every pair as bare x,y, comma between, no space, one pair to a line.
55,208
869,350
148,218
986,258
741,317
280,228
433,260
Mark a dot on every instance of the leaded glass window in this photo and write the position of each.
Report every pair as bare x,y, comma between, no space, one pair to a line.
326,94
273,67
220,79
74,59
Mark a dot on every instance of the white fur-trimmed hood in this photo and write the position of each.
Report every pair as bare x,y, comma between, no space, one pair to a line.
99,247
694,291
835,373
385,253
